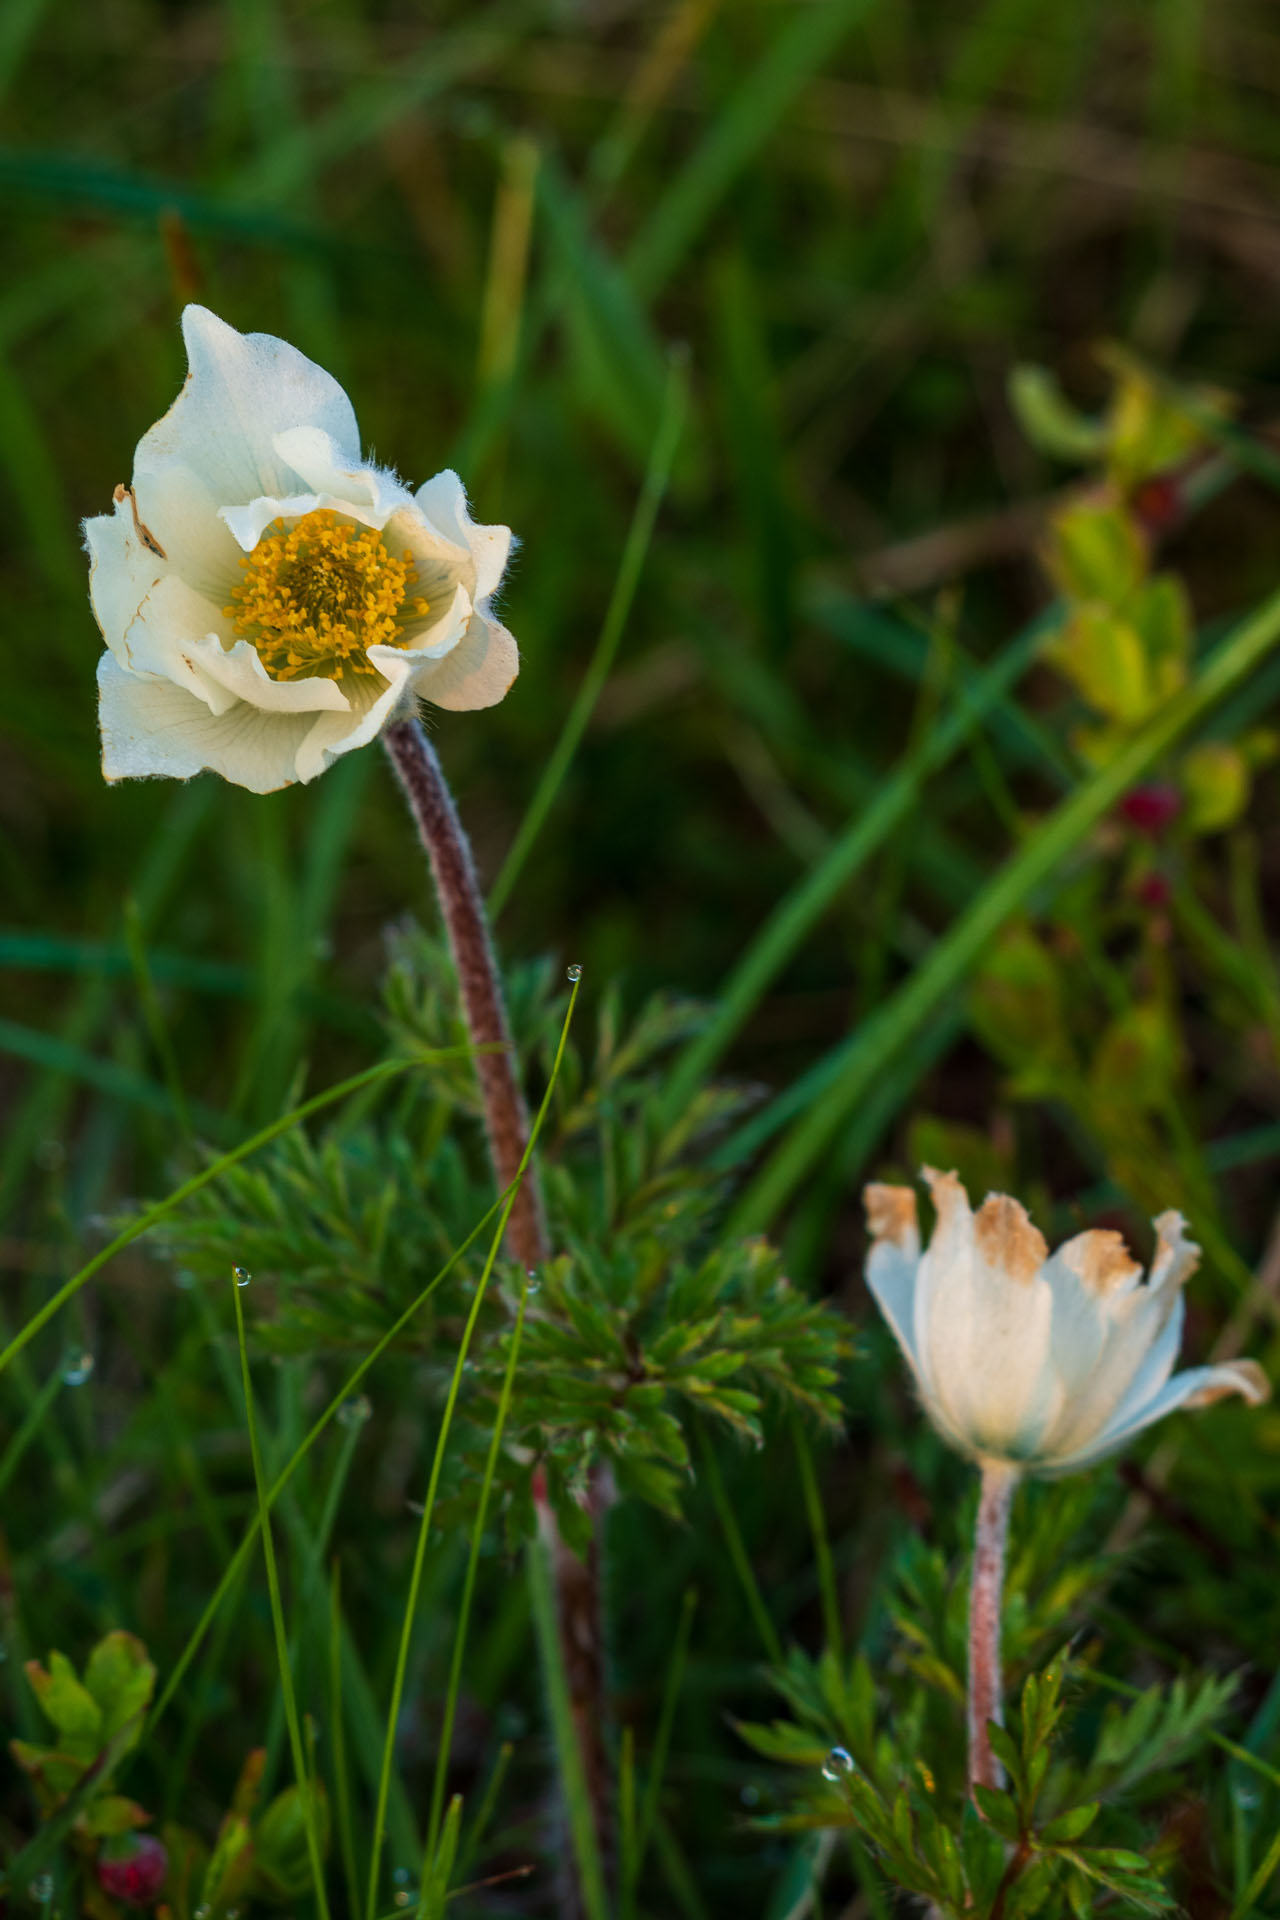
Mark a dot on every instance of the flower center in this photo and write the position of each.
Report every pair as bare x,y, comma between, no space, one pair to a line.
317,594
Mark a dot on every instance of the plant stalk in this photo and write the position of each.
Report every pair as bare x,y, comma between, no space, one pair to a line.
577,1582
985,1594
453,870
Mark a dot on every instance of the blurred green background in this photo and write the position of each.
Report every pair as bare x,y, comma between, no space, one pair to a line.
490,223
493,223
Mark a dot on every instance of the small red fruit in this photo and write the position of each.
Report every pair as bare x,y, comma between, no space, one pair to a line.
132,1868
1154,891
1152,807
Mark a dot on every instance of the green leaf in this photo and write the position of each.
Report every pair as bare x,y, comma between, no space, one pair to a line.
784,1741
1069,1825
226,1877
1000,1810
1101,652
67,1704
112,1813
1097,552
1048,419
1216,781
121,1678
281,1862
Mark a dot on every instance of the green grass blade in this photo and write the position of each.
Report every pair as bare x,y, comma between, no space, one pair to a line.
811,34
630,567
446,1421
794,916
305,1785
662,1738
469,1586
238,1559
573,1777
864,1057
738,1554
831,1624
158,1212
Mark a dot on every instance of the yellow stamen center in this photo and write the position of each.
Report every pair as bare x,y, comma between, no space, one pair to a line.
316,594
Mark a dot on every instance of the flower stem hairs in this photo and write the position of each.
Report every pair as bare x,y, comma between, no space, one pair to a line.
1028,1362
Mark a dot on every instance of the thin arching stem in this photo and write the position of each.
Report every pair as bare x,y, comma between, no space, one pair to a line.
985,1594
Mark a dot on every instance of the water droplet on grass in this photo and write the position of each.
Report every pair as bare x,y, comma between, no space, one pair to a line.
355,1411
77,1366
573,973
838,1764
41,1889
242,1276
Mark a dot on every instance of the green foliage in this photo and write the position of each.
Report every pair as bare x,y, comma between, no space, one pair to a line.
97,1719
258,1857
882,1754
821,748
646,1320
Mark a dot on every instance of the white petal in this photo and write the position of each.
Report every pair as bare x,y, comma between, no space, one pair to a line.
478,671
999,1357
326,467
239,674
940,1281
216,445
172,629
373,703
154,727
122,571
250,520
1197,1387
180,512
444,502
1138,1329
1176,1257
893,1261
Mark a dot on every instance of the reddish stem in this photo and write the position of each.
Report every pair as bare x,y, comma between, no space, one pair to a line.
577,1581
449,851
998,1482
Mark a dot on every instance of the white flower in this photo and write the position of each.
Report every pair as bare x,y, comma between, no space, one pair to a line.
1046,1364
270,600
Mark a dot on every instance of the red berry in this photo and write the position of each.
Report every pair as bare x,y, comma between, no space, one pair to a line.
1152,807
132,1868
1154,891
1158,502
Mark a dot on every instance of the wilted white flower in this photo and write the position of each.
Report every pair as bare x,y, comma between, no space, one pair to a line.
1045,1364
270,600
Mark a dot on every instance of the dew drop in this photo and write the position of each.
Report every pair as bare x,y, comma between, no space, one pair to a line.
242,1276
41,1889
355,1411
77,1366
573,973
1247,1796
400,1876
531,1280
838,1764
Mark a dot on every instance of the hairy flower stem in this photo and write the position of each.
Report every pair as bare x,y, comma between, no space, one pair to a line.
453,870
577,1581
986,1590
